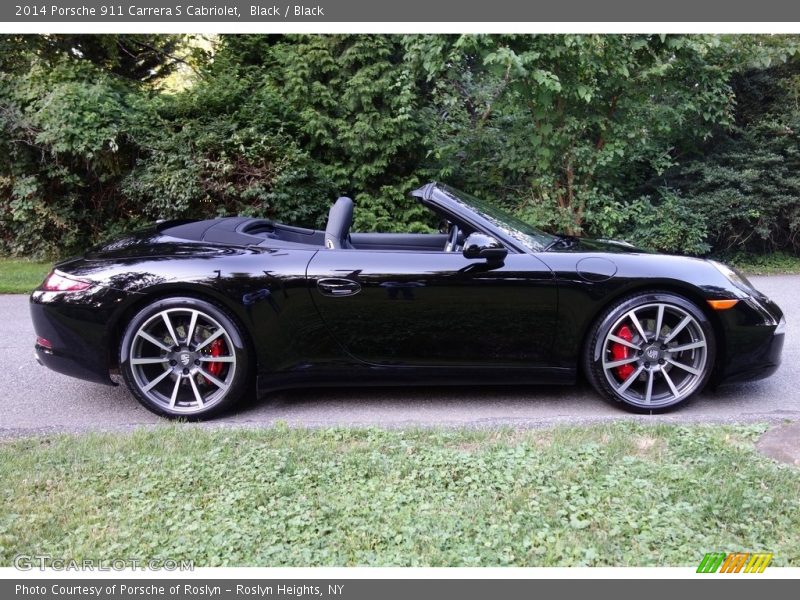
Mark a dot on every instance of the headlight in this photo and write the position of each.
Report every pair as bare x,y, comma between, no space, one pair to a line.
734,276
781,328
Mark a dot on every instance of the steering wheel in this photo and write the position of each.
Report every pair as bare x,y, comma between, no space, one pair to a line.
452,238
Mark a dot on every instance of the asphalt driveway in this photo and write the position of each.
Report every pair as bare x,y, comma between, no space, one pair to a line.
35,399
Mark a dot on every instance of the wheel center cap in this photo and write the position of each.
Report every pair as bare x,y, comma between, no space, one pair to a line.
184,358
653,353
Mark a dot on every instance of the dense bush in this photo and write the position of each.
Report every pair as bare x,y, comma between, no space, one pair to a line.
66,145
561,127
682,143
744,189
665,222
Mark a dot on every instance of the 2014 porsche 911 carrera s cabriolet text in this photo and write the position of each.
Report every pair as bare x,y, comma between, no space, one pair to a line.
190,313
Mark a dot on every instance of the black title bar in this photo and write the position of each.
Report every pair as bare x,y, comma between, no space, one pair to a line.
388,589
465,11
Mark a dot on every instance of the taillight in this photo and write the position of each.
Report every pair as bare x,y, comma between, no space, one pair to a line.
58,282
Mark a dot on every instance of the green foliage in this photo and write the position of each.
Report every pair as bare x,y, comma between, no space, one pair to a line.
65,146
137,57
614,495
204,167
746,185
567,125
667,224
225,147
354,103
683,143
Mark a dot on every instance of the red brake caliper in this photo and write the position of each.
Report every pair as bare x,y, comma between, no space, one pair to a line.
620,352
216,348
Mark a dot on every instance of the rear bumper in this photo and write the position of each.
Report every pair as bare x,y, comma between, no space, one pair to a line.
69,365
76,332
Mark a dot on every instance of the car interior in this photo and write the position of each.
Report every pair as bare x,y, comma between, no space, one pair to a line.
250,231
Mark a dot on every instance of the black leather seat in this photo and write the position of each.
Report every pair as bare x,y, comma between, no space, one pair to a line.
340,219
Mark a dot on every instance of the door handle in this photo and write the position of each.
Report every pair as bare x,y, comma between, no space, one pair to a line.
338,287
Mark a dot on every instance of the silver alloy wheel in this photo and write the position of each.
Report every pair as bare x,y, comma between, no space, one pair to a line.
183,360
664,355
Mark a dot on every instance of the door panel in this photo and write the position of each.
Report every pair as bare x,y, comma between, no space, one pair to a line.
427,242
436,308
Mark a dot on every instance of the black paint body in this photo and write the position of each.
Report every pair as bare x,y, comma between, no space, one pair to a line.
395,309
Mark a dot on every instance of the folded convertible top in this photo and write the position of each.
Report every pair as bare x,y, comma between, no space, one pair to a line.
242,231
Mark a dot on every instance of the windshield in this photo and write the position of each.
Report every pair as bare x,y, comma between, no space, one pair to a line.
530,237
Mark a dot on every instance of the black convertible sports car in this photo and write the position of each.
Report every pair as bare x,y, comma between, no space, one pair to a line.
192,312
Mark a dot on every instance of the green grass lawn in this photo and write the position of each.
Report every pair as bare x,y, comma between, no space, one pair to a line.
20,276
621,494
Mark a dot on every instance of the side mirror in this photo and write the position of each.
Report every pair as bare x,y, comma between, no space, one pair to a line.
480,245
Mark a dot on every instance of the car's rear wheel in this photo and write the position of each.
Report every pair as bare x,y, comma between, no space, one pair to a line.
184,357
650,352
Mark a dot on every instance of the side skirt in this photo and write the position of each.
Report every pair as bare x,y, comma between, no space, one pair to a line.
371,376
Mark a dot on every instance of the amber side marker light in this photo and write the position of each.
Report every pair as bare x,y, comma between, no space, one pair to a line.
722,304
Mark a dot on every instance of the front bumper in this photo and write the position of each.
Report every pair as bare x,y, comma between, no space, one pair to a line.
766,360
754,332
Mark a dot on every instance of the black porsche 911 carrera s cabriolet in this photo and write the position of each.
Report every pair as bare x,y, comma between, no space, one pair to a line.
190,313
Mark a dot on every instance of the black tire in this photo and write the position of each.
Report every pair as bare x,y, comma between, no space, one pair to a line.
202,373
645,370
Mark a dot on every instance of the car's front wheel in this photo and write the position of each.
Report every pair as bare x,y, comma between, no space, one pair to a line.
184,357
650,352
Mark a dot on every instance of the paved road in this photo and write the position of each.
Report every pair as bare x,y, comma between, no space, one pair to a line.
37,400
